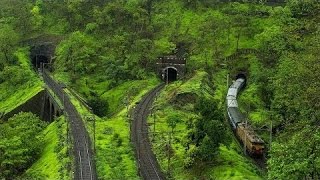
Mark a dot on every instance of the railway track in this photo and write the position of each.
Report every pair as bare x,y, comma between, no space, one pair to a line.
83,154
147,163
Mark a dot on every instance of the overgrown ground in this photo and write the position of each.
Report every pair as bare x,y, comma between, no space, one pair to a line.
20,82
54,161
179,98
114,153
110,43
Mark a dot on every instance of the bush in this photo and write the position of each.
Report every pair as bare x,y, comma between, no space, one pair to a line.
99,106
20,144
117,139
15,75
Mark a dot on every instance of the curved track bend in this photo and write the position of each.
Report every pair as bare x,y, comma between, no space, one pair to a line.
148,165
83,155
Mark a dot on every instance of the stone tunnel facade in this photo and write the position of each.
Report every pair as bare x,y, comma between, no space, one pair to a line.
171,68
42,49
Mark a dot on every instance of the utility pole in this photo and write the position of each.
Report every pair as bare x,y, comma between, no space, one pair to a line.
127,102
67,120
270,135
169,154
228,80
94,135
94,132
92,118
245,135
67,128
154,120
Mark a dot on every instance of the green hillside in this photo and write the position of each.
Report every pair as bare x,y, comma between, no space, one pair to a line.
107,60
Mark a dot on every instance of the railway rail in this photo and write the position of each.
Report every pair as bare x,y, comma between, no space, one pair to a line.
147,163
83,154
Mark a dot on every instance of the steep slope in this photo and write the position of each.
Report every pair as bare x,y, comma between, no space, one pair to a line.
178,99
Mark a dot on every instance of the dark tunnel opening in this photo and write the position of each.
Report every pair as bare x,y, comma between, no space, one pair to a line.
170,74
37,60
241,75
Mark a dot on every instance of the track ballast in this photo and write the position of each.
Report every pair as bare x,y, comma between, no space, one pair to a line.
83,155
148,165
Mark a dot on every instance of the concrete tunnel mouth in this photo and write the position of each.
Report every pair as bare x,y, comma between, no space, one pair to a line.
241,75
37,60
170,74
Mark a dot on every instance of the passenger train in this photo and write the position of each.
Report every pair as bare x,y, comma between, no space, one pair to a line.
253,143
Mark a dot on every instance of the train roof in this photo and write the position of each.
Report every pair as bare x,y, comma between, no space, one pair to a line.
236,115
232,102
232,92
252,136
240,79
237,83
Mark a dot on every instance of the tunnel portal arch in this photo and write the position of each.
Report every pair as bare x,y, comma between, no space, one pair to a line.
169,74
171,68
41,53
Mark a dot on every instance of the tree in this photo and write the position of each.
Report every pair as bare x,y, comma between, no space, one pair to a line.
212,30
208,132
295,85
37,17
14,75
8,41
20,144
303,8
172,121
78,54
100,106
296,153
16,14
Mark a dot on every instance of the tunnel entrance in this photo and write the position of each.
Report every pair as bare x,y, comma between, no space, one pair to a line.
37,60
241,75
170,74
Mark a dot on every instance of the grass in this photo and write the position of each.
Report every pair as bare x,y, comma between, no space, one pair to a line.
230,163
18,95
54,160
221,89
233,165
250,99
13,95
114,153
115,158
117,96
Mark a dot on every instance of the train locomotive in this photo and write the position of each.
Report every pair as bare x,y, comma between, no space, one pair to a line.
253,143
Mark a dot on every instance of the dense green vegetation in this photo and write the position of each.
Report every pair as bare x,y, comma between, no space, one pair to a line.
20,144
108,55
18,82
114,158
54,161
200,144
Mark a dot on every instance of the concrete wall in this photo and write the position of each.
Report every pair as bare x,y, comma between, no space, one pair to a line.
41,104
